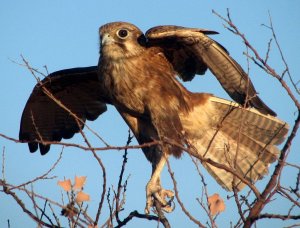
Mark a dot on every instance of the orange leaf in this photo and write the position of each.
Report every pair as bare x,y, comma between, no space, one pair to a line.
216,204
79,182
81,196
66,184
92,226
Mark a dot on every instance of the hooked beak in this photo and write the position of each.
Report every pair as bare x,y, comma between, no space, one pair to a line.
106,39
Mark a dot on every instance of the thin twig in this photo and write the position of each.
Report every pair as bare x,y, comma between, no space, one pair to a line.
42,177
3,163
136,214
275,216
215,164
86,148
268,51
129,139
103,172
35,206
286,195
179,200
54,215
44,214
110,207
272,185
22,205
58,102
281,54
269,69
161,215
205,191
44,210
237,202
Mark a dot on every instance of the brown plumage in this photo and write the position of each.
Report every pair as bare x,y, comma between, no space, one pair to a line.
136,74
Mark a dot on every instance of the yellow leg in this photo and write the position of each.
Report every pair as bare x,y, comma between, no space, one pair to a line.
154,189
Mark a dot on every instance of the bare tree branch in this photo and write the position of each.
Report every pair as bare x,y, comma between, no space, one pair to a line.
22,205
272,185
179,200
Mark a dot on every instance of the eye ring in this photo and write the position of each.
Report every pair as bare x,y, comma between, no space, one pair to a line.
122,33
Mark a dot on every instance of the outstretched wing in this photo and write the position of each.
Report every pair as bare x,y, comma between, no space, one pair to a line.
44,119
191,52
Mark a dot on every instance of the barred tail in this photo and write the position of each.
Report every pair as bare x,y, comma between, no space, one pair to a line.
242,139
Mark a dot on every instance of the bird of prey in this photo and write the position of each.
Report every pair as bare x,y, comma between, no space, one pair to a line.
138,74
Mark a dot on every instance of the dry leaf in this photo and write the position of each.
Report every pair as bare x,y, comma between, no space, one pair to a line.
92,226
79,182
216,204
66,184
81,196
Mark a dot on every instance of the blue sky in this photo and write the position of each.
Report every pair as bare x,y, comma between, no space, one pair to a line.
63,34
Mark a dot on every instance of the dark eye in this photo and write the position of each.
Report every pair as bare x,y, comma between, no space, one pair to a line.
122,33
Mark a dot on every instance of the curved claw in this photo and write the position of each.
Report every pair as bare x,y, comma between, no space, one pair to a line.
168,207
158,193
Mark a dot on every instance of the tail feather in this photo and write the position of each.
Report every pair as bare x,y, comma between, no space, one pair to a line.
263,128
224,150
242,139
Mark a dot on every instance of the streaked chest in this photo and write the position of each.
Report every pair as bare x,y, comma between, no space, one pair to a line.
125,81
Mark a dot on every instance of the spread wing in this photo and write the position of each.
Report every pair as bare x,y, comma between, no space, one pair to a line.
191,52
78,89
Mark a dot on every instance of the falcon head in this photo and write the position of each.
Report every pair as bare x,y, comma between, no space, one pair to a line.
121,40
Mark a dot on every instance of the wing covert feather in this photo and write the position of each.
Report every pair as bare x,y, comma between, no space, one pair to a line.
78,89
200,50
184,61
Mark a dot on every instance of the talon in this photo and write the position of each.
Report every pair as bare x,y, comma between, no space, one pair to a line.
152,190
168,206
155,192
167,193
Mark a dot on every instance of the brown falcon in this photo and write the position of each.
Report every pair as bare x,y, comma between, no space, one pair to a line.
137,74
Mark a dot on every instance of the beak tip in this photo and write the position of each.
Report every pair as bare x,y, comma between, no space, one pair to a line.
106,39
